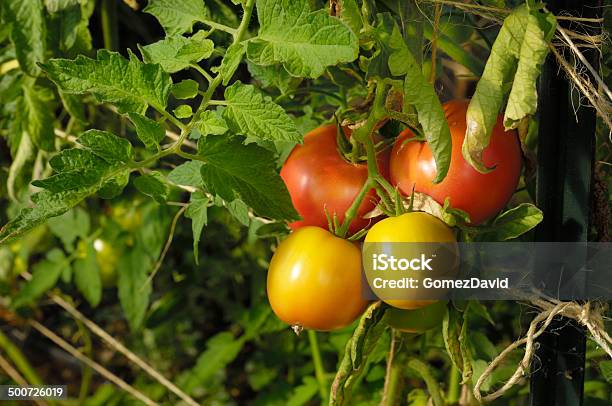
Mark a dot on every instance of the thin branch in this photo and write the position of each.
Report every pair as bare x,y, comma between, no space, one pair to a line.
167,246
118,346
63,344
12,373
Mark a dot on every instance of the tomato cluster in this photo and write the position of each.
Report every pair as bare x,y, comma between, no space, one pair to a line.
315,278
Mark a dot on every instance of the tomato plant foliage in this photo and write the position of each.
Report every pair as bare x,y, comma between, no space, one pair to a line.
118,124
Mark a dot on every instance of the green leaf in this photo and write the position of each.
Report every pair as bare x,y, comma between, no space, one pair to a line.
221,349
304,42
70,226
53,6
251,114
210,122
185,89
513,223
523,99
134,288
348,11
39,115
486,103
177,53
74,105
357,350
153,185
606,370
451,330
75,159
183,111
46,205
456,51
87,276
231,61
128,84
479,309
177,17
187,174
28,32
273,75
114,186
107,146
197,211
235,171
237,208
70,180
150,132
419,92
45,275
304,392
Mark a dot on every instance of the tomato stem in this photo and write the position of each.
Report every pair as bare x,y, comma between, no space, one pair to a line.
393,376
453,385
432,384
318,364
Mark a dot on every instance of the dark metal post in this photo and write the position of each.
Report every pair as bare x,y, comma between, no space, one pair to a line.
565,159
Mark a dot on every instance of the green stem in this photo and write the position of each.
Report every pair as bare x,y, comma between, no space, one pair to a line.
393,378
20,361
219,27
350,214
432,385
318,364
217,102
454,389
87,371
363,135
203,72
108,17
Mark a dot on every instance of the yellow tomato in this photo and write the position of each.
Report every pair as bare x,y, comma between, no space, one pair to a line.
314,280
411,227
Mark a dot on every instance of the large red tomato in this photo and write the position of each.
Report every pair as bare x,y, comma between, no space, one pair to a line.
319,178
481,195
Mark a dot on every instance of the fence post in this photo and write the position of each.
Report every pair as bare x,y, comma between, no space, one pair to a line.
565,159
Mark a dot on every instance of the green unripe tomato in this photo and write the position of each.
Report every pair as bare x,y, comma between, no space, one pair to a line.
107,258
128,216
417,321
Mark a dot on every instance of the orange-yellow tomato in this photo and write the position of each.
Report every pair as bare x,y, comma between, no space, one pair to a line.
411,227
314,280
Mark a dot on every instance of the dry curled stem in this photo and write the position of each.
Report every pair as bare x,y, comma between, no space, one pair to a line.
588,315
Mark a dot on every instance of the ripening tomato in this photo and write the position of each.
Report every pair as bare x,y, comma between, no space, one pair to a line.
107,258
413,227
482,196
318,178
417,321
314,280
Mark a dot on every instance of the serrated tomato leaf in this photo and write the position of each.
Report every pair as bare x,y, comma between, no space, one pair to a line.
488,98
128,84
197,211
304,42
177,52
154,185
107,146
251,114
150,132
233,170
177,17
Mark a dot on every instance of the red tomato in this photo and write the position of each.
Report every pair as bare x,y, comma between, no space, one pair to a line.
319,178
481,195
